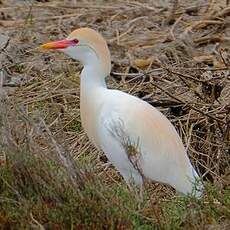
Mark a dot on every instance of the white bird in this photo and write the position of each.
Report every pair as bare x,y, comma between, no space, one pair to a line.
114,120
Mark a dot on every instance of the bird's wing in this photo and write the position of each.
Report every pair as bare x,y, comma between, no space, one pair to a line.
128,119
141,123
113,142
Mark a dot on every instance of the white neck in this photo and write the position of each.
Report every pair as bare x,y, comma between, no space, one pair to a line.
93,84
92,77
92,87
93,74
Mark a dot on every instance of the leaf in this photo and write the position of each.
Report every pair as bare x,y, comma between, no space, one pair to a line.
144,63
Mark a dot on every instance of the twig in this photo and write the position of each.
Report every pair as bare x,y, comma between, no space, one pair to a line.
184,75
211,39
93,6
119,36
64,158
136,3
171,16
174,25
187,104
18,22
5,45
36,222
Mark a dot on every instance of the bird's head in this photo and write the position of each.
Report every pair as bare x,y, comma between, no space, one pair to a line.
87,46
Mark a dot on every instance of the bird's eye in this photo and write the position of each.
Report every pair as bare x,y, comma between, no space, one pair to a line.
75,41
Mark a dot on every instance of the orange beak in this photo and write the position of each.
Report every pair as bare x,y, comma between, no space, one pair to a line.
62,44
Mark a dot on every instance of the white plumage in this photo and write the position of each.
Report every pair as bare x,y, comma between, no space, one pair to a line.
115,121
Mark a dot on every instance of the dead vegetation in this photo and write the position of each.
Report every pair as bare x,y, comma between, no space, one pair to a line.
172,54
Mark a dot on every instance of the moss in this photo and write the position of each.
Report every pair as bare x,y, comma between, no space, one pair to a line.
36,188
74,126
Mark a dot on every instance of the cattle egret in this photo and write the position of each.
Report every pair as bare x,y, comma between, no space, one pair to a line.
115,121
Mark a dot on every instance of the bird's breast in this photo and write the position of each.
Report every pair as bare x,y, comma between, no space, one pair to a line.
90,107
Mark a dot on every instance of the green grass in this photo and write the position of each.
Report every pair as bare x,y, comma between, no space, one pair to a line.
37,190
74,126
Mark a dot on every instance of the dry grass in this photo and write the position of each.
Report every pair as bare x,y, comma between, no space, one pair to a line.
172,54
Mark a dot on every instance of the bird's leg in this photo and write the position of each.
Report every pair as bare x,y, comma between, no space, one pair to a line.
137,190
141,190
139,195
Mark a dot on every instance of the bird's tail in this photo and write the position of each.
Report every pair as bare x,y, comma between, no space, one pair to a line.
190,184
